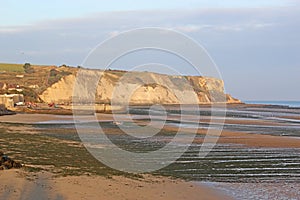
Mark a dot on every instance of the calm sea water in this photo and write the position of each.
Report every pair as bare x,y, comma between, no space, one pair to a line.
294,104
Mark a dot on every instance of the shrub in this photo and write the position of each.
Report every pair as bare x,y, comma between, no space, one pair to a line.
28,68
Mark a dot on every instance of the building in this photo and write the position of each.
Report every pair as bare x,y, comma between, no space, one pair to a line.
10,100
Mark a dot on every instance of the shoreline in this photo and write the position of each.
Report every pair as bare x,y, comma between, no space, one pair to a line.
226,137
68,112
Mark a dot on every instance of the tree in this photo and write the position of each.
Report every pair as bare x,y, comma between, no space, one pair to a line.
28,68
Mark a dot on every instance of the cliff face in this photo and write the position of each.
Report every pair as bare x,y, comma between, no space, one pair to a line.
144,88
60,92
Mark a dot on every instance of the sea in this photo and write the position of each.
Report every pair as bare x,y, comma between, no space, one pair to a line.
292,104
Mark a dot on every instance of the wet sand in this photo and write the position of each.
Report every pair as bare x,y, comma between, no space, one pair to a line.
248,139
274,191
230,137
31,118
41,118
257,140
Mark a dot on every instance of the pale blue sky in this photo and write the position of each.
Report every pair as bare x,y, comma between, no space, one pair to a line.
16,12
255,43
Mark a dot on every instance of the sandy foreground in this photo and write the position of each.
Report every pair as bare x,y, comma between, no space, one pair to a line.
17,184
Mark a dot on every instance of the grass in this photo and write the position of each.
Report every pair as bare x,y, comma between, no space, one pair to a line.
11,67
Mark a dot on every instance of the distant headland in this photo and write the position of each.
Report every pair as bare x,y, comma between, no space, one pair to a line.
52,86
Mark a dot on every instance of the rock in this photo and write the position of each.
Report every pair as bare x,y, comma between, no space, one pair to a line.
3,158
17,165
8,163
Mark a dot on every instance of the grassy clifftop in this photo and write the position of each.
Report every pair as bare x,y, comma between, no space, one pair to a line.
5,67
31,80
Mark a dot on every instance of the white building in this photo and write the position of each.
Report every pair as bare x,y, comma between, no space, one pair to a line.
10,100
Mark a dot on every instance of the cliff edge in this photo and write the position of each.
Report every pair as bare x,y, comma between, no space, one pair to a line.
143,87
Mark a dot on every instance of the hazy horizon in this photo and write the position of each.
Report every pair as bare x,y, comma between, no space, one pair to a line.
255,44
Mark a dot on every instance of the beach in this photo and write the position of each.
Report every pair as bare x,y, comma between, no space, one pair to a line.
166,100
257,153
17,184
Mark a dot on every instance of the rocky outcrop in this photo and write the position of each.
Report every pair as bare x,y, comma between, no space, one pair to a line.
230,99
139,88
8,163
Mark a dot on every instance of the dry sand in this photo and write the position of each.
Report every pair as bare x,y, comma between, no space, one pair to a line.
17,184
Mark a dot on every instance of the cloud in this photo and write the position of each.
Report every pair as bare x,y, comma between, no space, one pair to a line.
201,23
72,38
188,21
191,28
11,29
243,42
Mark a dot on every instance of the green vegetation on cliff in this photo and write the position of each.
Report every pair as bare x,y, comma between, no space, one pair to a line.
5,67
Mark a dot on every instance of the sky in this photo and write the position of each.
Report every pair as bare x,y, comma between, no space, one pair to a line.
255,44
